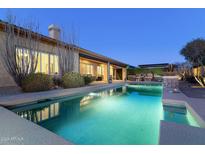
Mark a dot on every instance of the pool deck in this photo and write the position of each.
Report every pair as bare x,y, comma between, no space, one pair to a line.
172,133
180,134
17,130
26,98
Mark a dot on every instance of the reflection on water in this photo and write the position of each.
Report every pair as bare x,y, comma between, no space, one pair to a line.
179,115
41,114
70,107
146,90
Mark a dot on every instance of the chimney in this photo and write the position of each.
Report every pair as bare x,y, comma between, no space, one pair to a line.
54,32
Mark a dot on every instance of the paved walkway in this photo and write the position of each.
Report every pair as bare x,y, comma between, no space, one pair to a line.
172,133
191,91
26,98
173,99
7,91
195,105
179,134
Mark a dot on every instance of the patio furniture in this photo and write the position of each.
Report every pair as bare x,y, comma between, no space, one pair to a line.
99,78
138,77
148,77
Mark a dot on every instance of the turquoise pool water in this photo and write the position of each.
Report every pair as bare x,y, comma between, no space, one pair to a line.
126,115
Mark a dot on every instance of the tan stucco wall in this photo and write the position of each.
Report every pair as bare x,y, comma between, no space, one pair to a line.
124,73
5,78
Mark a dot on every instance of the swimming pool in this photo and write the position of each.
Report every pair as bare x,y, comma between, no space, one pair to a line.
125,115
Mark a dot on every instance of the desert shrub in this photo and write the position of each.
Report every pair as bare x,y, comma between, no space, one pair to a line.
72,80
88,79
37,82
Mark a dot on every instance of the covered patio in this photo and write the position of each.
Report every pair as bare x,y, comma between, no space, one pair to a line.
102,68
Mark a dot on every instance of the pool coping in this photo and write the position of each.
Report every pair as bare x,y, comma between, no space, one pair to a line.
181,100
16,130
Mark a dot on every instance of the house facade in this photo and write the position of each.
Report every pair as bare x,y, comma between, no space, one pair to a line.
83,61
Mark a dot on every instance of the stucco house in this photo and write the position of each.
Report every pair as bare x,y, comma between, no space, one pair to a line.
85,61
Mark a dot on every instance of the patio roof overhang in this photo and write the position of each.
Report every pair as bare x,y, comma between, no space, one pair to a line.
94,56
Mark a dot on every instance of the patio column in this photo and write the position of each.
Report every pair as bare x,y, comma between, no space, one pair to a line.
108,71
124,73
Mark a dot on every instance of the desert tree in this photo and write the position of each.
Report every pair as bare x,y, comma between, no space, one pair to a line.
66,49
184,69
19,55
194,52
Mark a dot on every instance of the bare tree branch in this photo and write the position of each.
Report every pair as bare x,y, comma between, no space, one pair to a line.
66,52
20,56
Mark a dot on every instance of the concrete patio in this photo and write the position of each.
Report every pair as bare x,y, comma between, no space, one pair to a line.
172,133
192,90
30,98
179,134
16,130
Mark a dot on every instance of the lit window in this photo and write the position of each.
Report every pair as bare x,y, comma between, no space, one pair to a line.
111,70
53,64
44,63
23,58
38,66
19,56
99,70
86,68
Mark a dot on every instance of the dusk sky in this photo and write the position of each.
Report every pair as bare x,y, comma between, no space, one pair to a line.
133,36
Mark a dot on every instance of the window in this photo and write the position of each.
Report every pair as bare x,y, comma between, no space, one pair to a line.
26,56
111,70
46,63
38,67
86,68
22,57
19,56
53,64
99,70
